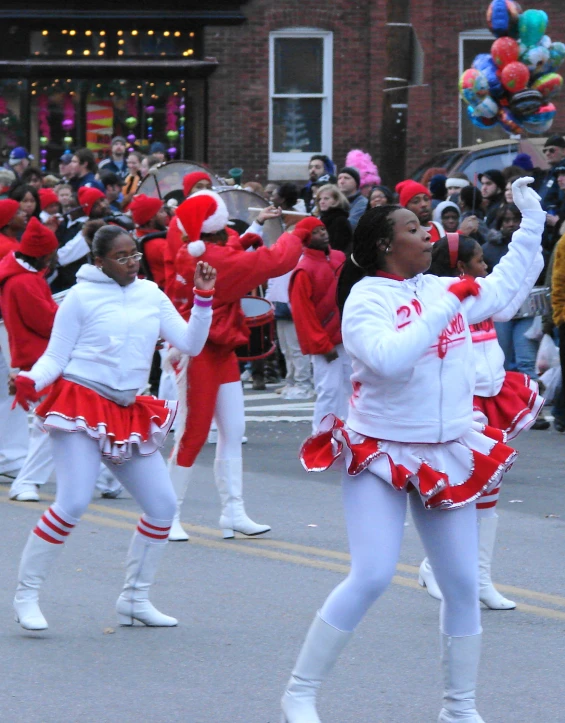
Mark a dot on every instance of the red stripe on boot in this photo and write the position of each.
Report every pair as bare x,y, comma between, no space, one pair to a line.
56,516
47,521
150,534
152,527
44,536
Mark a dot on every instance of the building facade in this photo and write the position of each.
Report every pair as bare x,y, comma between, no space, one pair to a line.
258,84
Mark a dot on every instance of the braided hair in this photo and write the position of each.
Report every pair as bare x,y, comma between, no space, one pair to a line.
375,225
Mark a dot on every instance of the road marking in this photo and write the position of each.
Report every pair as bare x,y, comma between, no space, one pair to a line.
278,418
256,547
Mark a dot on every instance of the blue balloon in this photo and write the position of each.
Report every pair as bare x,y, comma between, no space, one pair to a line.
486,65
499,18
479,122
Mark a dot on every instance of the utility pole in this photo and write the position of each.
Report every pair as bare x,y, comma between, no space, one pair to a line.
399,63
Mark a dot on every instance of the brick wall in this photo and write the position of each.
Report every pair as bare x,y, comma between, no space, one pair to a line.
238,90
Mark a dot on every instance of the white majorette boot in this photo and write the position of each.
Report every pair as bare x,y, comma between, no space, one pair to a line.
320,650
460,662
145,551
488,594
43,546
228,474
426,578
180,477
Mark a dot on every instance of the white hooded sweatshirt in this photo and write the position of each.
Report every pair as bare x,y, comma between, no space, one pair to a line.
107,333
411,350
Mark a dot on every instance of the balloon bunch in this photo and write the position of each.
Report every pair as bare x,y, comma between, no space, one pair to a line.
131,122
68,122
513,85
172,133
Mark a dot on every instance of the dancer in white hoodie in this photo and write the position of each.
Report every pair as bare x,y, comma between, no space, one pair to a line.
508,401
410,429
99,355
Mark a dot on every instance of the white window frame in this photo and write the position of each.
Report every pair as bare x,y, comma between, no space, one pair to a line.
294,166
479,34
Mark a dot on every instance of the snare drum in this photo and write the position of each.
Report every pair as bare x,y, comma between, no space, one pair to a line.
260,318
538,303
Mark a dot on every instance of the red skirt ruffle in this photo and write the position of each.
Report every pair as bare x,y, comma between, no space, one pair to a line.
71,407
515,407
446,475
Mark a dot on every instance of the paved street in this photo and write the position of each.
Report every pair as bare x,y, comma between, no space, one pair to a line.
245,605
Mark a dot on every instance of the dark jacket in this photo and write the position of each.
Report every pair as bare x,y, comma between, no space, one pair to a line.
336,220
495,248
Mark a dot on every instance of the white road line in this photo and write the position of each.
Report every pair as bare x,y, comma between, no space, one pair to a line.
281,408
278,419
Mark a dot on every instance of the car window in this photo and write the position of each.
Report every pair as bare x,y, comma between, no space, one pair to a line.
480,161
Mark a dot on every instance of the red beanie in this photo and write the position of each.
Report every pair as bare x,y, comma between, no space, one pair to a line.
408,189
191,179
143,208
47,196
37,240
88,196
308,224
8,209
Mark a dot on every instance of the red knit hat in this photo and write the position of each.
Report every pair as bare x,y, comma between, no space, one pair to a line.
47,196
204,212
191,179
88,196
309,224
408,189
8,209
143,208
37,240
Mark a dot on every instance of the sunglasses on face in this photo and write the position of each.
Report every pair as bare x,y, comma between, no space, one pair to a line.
550,150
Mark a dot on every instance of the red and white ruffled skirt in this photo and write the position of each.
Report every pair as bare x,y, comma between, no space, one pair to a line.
514,408
70,407
446,475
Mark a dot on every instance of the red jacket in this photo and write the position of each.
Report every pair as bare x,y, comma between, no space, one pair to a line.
28,311
239,273
154,252
7,245
312,293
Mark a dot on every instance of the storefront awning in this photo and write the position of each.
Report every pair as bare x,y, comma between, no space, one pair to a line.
150,69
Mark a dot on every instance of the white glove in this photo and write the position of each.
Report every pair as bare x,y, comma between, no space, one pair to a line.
525,197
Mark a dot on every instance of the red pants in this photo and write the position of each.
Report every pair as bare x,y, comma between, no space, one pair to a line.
206,373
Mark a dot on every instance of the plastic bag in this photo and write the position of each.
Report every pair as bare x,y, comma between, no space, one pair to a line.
535,332
548,354
551,380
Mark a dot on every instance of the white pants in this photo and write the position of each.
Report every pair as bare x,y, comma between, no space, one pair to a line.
332,382
297,364
14,437
375,514
38,464
229,415
77,464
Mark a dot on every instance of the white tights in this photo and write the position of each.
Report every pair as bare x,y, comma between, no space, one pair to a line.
229,414
77,464
375,515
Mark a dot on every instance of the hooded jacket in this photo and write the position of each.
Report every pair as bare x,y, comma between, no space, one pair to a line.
28,310
106,333
410,346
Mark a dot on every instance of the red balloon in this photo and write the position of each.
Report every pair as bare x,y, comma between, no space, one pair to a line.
515,77
505,50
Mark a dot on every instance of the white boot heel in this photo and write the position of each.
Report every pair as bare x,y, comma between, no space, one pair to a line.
28,615
125,620
228,534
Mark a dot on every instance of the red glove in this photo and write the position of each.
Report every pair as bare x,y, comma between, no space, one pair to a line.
302,233
25,392
466,286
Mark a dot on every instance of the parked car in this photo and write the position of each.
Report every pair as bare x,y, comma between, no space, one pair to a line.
473,160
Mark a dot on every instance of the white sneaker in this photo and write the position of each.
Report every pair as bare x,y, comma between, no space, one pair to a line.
25,492
213,436
246,376
299,392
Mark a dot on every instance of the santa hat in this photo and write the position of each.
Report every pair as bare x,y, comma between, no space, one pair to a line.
308,224
37,240
364,164
47,196
143,208
87,197
204,212
191,179
8,209
408,189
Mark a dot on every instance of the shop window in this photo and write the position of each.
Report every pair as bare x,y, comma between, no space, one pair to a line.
471,43
67,42
301,99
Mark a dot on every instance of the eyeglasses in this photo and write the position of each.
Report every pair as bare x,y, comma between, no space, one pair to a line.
123,261
550,150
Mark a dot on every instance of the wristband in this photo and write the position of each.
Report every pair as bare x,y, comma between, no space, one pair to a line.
204,303
204,293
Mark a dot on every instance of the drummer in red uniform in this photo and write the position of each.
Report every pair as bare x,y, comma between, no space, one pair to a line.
150,217
212,387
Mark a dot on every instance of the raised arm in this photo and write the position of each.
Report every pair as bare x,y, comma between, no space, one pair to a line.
370,334
66,330
500,288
